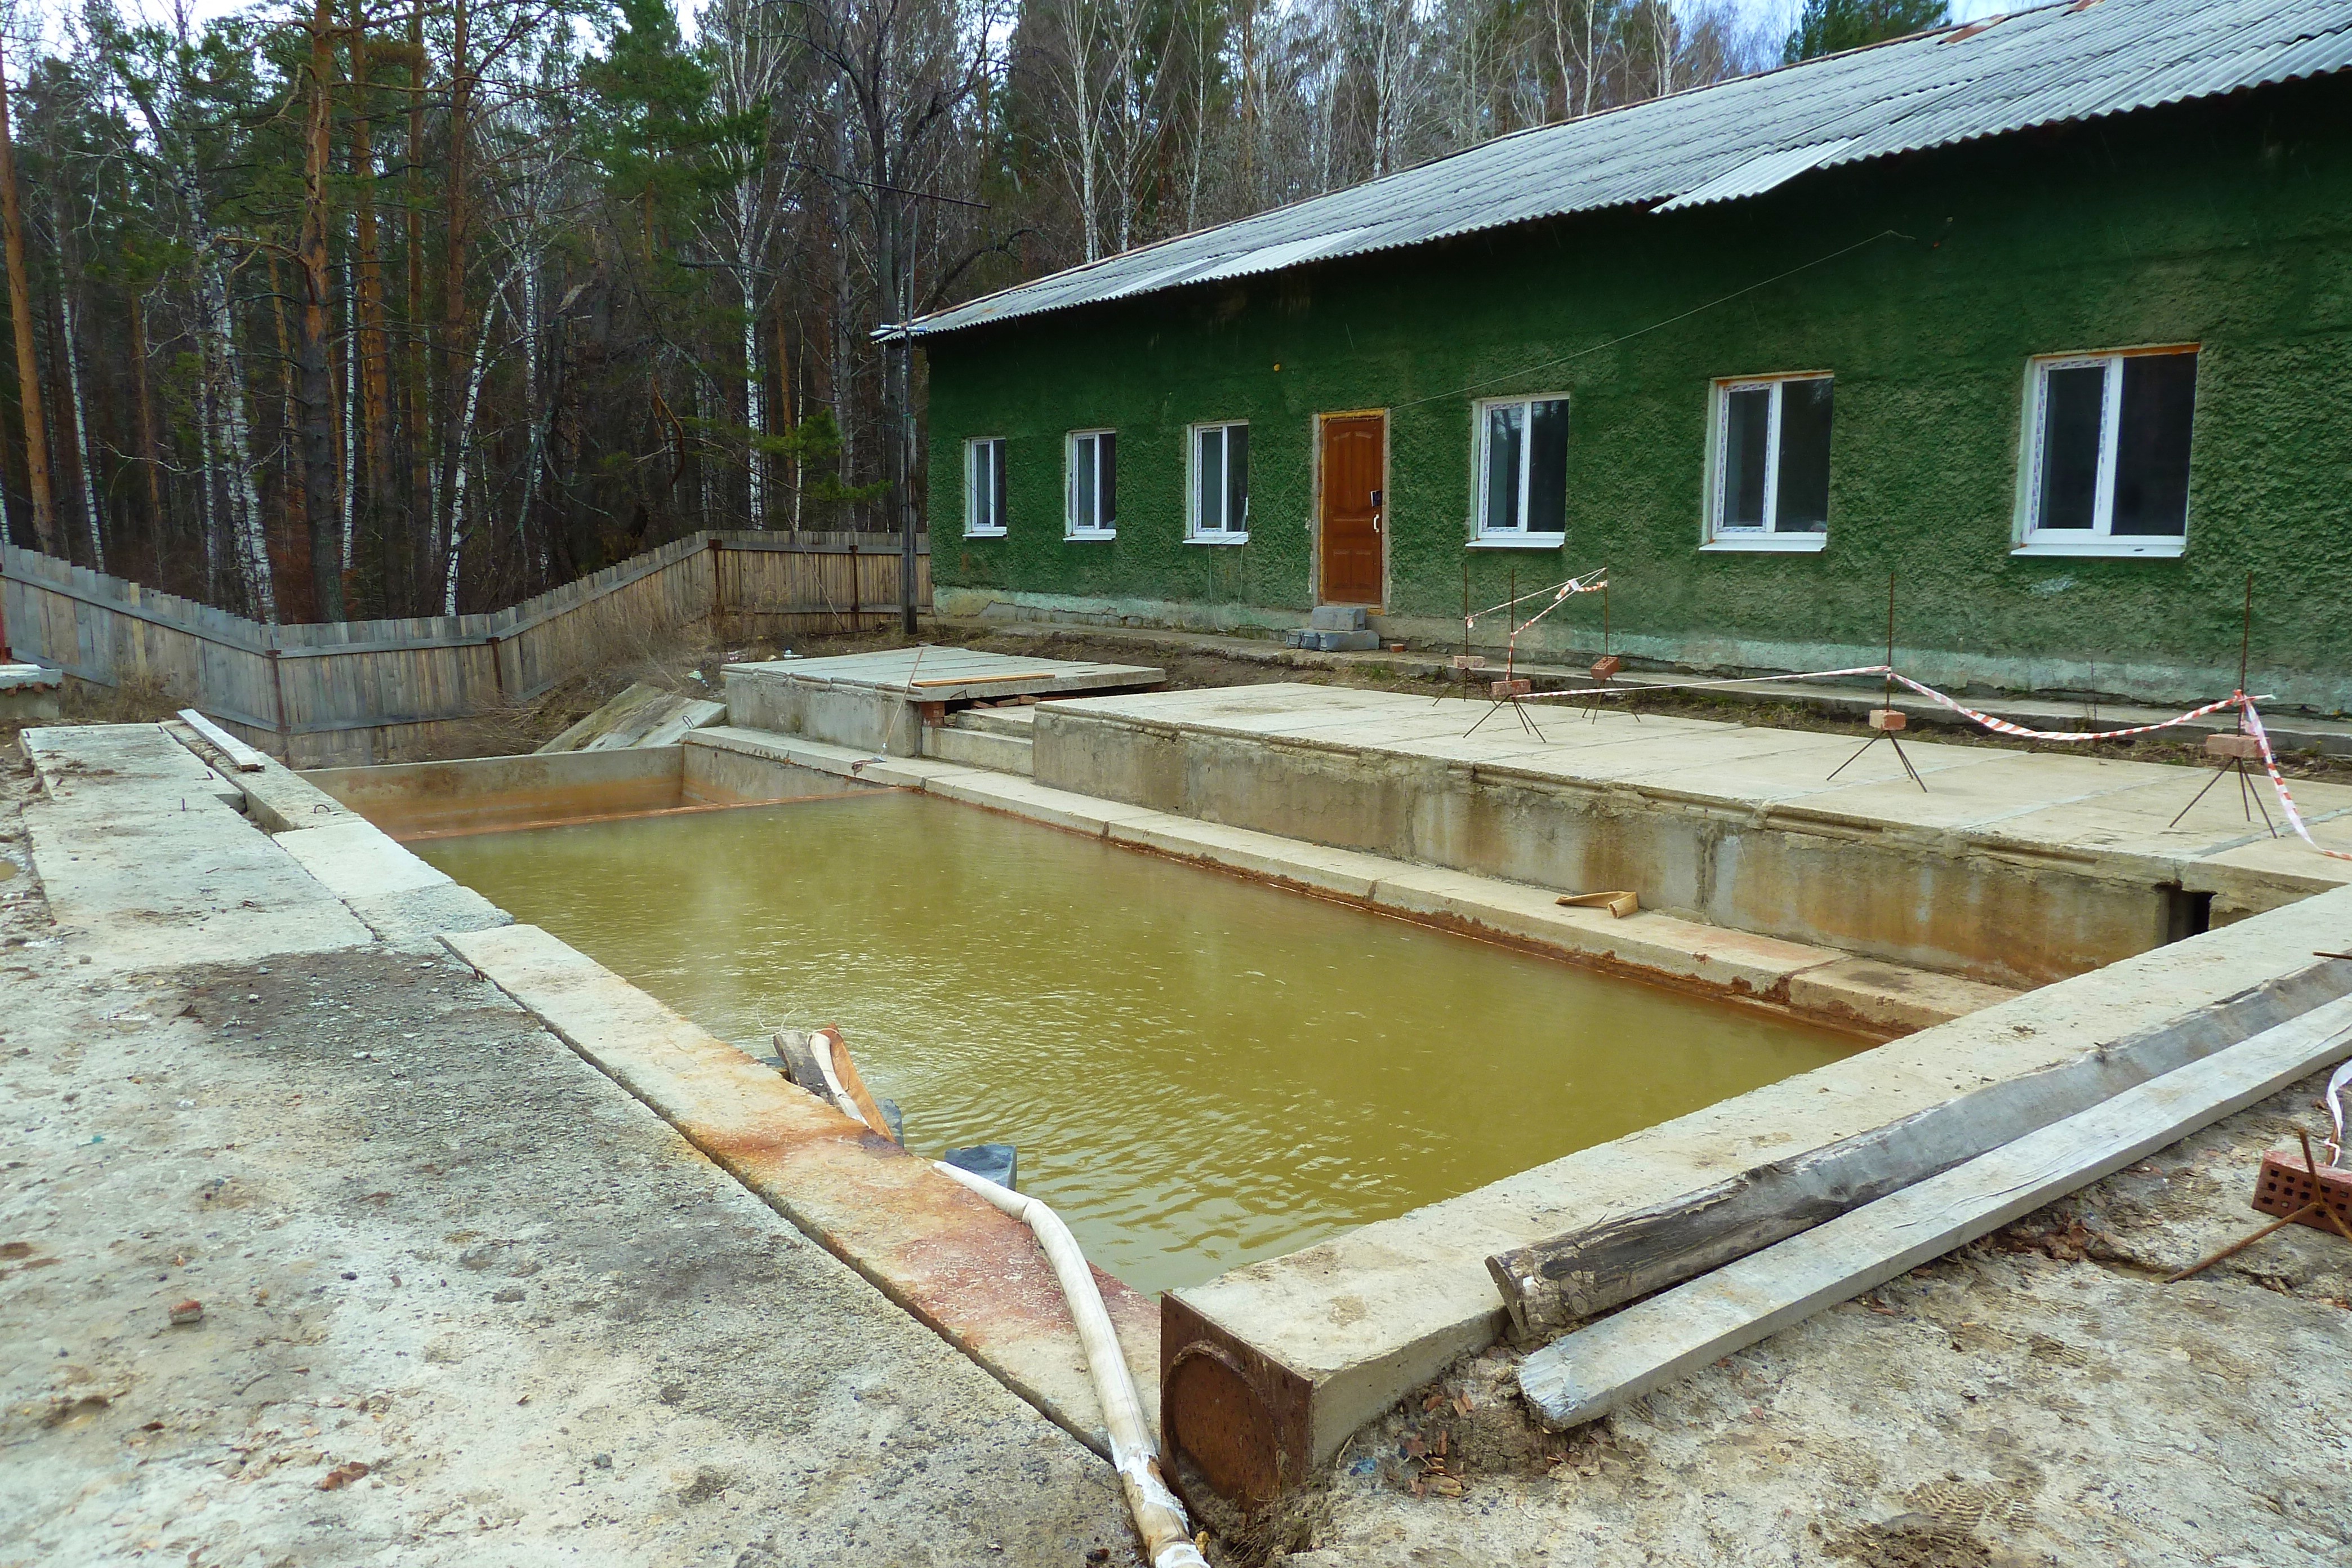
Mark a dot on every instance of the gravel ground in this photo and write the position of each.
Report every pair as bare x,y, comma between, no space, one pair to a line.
463,1300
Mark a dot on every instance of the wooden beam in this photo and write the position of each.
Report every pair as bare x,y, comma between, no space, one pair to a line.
1593,1371
241,757
1550,1285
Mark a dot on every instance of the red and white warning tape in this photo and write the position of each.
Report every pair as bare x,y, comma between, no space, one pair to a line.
2238,700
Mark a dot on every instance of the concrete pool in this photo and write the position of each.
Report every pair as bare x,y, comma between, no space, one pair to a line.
1200,1070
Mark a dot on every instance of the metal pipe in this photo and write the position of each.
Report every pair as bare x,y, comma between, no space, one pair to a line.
1159,1517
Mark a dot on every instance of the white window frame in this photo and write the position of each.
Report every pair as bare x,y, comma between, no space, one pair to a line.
1715,534
972,487
1481,536
1071,527
2028,538
1194,534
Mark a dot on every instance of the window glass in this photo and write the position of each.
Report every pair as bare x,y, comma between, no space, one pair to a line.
2152,444
1082,482
1547,507
1746,430
1106,465
1237,478
984,492
1505,423
1209,478
2073,399
1801,488
1220,478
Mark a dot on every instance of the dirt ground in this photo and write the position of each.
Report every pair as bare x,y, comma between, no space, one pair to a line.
2039,1397
463,1300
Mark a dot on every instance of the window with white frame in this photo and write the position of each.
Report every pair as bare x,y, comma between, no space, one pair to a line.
1094,484
1771,481
1220,499
1523,471
984,488
2106,469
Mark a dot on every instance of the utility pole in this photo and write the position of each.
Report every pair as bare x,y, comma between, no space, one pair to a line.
29,368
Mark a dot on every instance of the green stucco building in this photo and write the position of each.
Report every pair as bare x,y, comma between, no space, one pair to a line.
2047,321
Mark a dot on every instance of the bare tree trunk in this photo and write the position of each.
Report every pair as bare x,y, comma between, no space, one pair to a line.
28,367
80,421
315,375
421,495
150,456
461,439
373,372
454,315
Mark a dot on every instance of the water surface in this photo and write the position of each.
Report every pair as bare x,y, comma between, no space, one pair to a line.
1199,1070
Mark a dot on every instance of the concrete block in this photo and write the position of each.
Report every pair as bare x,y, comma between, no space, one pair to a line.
1336,618
1738,961
1337,871
1881,996
1026,797
979,749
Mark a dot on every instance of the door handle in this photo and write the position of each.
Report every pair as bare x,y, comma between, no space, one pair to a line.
1376,523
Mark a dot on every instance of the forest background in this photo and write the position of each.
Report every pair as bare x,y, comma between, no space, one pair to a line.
363,307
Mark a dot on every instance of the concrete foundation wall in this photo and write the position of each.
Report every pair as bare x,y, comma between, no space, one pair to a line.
423,797
844,715
2019,918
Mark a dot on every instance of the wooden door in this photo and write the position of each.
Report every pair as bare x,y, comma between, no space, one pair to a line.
1354,467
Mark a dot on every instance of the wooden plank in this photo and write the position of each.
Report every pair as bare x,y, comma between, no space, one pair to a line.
241,757
1551,1284
1593,1371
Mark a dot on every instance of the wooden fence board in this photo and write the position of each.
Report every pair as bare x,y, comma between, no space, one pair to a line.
365,692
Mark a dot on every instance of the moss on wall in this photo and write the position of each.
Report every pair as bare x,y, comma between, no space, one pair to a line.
2227,223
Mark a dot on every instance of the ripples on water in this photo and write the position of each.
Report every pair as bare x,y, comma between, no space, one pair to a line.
1199,1070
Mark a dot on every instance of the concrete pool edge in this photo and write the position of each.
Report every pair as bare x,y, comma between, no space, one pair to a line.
975,1277
1868,996
1323,1340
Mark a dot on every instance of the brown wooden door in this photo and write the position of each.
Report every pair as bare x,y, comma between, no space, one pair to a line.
1355,465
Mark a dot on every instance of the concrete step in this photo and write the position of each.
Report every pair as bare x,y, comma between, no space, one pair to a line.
977,748
1021,722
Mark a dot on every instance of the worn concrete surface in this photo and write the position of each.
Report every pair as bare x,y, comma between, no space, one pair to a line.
2038,1398
2010,868
431,1240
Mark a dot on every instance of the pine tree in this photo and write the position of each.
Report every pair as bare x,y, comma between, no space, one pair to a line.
1826,27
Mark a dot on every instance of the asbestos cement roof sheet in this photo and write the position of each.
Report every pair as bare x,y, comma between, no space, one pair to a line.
1741,138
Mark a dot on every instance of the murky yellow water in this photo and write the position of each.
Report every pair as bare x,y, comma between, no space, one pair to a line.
1199,1070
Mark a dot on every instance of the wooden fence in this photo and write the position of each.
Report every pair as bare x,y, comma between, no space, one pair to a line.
377,691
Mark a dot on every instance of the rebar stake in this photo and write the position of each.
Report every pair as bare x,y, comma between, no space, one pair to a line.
1886,719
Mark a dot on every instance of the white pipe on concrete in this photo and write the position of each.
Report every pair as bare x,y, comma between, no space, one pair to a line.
1167,1537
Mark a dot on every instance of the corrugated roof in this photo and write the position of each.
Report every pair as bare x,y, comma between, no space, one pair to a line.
1743,137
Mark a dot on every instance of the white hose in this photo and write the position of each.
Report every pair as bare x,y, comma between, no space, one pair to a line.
1167,1536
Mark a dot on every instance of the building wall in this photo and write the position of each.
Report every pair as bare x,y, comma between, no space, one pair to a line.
2226,224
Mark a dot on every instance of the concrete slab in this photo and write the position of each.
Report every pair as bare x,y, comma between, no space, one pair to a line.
974,1275
1889,996
843,762
640,715
875,699
401,898
143,864
1339,872
1734,961
1026,797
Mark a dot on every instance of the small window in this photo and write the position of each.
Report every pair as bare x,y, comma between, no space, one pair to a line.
1094,484
1220,501
2106,469
1771,481
1523,472
984,488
